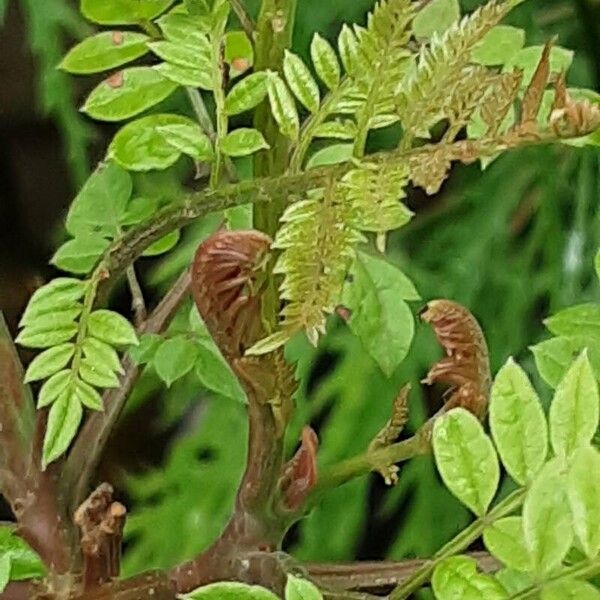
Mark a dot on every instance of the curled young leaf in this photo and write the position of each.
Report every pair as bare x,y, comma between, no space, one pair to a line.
466,365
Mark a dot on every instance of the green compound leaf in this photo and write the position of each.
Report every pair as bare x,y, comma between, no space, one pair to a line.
325,61
466,459
457,578
189,139
54,387
570,589
49,362
584,498
498,45
99,206
301,81
80,254
297,588
506,541
283,106
112,328
575,409
378,315
174,358
128,93
143,145
436,17
247,94
518,423
105,51
123,12
63,421
547,520
242,142
230,590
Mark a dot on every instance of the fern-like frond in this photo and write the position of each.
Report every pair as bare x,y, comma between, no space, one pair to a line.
318,240
425,96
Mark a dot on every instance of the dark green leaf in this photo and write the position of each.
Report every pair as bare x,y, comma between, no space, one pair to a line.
104,51
128,93
466,459
112,328
174,358
80,254
63,421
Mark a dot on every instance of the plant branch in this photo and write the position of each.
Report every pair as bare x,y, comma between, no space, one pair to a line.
138,304
244,17
89,444
379,576
458,544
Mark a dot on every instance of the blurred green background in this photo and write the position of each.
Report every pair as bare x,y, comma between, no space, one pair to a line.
514,243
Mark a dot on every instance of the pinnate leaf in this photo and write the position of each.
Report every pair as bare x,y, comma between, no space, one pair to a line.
62,292
63,421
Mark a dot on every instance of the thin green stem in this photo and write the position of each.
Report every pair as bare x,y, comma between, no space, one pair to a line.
88,305
221,115
458,544
583,570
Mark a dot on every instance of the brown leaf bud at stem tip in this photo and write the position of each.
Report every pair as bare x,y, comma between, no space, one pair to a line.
466,365
300,473
343,313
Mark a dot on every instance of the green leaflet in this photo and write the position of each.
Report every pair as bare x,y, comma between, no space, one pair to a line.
80,255
518,423
466,459
63,421
189,139
127,94
283,106
574,411
215,374
17,560
239,52
97,208
144,144
499,45
123,12
230,590
436,17
581,320
301,81
528,59
325,61
163,245
174,358
247,93
60,293
301,589
54,387
112,328
584,498
105,51
506,541
546,519
49,362
242,142
570,589
457,579
378,316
